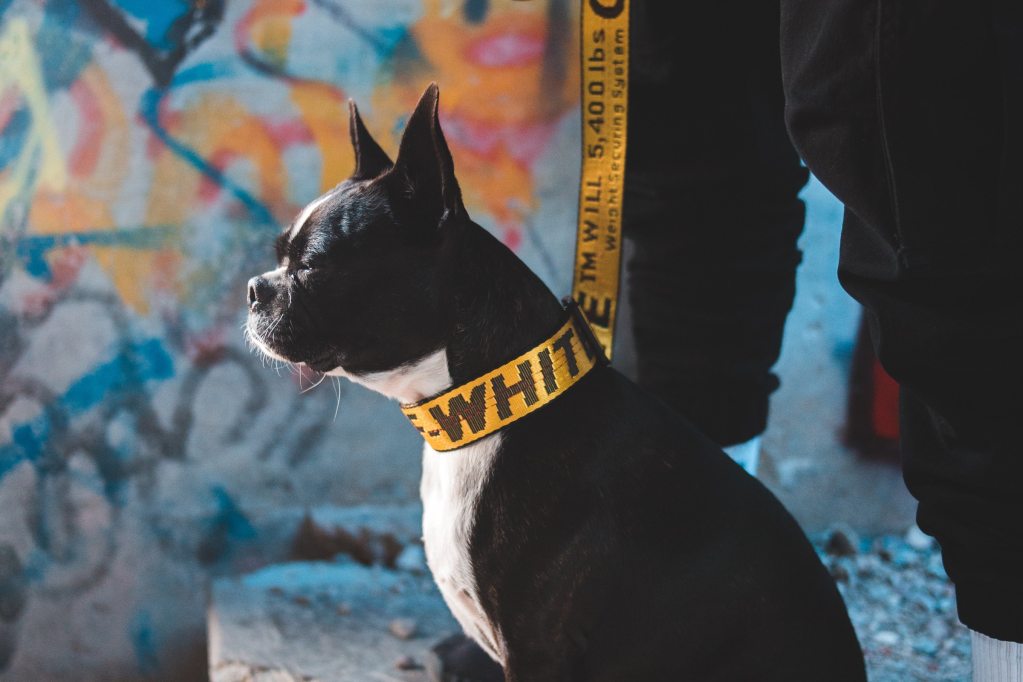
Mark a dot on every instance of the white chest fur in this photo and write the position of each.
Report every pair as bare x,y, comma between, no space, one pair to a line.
451,488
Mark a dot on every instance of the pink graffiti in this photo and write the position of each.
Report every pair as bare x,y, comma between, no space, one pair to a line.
506,49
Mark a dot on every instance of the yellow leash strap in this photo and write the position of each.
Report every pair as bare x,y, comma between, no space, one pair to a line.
604,50
480,407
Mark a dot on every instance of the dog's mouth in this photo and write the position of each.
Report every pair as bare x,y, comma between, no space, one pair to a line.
271,338
260,334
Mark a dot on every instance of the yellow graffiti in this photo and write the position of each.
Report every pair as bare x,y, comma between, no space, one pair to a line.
220,129
108,177
93,195
326,116
19,70
82,203
271,27
320,105
60,202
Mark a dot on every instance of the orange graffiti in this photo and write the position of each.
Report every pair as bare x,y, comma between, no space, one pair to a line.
498,107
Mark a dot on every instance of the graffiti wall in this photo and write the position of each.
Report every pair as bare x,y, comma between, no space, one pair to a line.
149,153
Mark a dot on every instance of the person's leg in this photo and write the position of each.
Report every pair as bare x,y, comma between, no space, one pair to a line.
910,112
712,210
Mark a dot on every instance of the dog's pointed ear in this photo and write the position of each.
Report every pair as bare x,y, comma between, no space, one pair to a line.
424,162
370,159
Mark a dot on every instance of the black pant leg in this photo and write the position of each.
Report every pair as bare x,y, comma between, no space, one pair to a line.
712,209
910,113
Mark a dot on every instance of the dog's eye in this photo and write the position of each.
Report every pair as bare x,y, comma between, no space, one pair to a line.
301,271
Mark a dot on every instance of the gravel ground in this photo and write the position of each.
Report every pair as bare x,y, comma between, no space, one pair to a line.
899,598
900,602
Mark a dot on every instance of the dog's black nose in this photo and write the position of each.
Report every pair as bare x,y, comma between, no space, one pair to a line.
260,291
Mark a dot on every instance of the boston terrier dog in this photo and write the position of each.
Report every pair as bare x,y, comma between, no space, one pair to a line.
599,537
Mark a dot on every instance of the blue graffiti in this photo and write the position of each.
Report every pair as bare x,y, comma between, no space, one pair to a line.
74,47
230,517
384,40
143,641
228,525
13,136
127,372
162,19
475,11
32,249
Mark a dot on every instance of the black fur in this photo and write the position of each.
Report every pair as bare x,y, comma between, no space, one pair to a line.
612,540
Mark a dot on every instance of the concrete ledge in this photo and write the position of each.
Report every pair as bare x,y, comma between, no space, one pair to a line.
324,621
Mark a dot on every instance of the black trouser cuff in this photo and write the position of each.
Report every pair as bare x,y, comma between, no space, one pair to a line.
992,610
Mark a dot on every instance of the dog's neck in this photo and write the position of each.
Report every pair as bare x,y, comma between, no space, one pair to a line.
497,308
500,307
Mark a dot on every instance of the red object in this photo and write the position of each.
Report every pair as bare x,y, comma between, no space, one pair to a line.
886,404
872,421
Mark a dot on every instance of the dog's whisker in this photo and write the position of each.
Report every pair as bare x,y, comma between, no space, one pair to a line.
322,377
337,387
273,327
258,342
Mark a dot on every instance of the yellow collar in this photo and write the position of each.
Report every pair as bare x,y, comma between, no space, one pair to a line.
484,405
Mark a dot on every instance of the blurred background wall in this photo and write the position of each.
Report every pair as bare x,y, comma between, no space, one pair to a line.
149,154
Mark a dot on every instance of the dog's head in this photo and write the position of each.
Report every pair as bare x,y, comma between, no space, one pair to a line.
356,286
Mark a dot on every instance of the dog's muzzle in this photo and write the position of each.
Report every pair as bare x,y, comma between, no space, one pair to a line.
260,291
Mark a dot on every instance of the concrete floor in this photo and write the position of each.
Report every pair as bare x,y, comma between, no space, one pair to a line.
327,621
804,460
